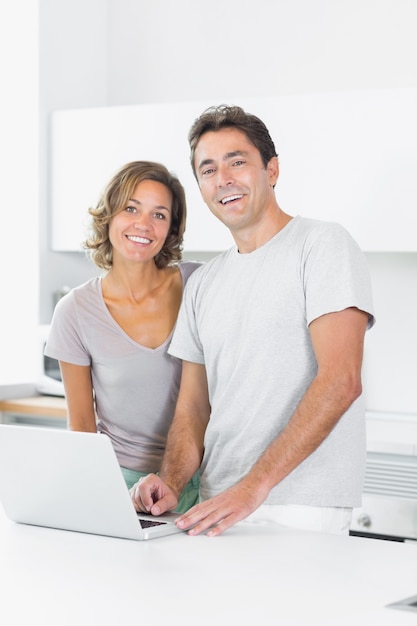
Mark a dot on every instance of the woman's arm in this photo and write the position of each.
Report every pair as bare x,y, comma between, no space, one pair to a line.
79,396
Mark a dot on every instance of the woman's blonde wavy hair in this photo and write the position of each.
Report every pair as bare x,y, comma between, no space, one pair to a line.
115,198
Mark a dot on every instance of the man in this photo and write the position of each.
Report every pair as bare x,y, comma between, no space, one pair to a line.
271,334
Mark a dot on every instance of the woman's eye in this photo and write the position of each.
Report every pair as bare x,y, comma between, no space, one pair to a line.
159,216
130,209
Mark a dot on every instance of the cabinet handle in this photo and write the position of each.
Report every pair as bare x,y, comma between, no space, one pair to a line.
364,520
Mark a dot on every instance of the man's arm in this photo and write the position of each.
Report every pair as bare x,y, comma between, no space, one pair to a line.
338,340
185,444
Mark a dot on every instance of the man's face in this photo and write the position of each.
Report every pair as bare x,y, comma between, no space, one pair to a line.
233,181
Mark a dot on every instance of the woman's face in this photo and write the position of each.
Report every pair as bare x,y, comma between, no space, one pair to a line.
139,231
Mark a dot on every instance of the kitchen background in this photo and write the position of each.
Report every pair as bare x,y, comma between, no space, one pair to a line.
58,55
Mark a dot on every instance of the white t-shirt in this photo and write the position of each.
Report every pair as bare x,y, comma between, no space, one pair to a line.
135,387
246,317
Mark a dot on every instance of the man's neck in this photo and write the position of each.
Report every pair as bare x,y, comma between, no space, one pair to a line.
255,237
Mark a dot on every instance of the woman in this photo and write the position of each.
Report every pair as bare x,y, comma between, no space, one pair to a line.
111,334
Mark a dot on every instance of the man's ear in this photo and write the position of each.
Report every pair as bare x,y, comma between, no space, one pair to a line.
273,170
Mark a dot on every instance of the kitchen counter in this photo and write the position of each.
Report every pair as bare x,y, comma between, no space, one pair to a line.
251,574
36,409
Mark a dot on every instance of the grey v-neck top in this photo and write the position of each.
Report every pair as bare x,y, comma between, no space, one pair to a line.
135,387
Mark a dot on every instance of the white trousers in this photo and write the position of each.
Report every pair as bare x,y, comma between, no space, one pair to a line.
335,520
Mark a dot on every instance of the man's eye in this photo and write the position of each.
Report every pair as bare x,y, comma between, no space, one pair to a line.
207,172
240,162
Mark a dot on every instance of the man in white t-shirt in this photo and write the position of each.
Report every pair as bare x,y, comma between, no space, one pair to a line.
271,334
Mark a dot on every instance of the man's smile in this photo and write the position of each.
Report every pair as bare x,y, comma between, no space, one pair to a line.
228,199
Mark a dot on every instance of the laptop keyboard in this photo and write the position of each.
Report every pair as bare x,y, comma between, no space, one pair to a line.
147,523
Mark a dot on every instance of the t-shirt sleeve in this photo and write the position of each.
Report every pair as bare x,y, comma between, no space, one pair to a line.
336,274
186,344
64,341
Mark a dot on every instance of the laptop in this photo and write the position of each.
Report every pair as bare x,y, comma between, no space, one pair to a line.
72,481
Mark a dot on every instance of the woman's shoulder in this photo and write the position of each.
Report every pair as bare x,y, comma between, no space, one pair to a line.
188,267
86,291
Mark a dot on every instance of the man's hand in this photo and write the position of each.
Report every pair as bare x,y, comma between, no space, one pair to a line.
222,511
151,495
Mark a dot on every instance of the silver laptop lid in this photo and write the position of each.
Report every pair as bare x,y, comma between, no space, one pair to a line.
68,480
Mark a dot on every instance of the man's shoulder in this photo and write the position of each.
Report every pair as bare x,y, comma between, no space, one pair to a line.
310,224
316,231
211,267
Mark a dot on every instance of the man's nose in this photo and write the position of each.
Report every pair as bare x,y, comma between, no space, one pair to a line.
224,176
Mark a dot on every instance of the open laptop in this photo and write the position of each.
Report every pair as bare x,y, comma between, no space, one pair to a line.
71,481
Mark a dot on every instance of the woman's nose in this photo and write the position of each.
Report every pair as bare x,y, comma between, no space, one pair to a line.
141,220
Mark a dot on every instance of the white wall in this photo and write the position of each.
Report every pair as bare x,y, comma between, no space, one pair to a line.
74,63
162,51
390,365
19,166
193,50
190,49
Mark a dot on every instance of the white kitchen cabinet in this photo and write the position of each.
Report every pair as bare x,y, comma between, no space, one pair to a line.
389,503
349,157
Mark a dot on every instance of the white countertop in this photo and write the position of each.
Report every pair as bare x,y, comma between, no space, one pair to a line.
251,574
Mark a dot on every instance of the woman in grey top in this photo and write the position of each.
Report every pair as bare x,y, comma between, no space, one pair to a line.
111,334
